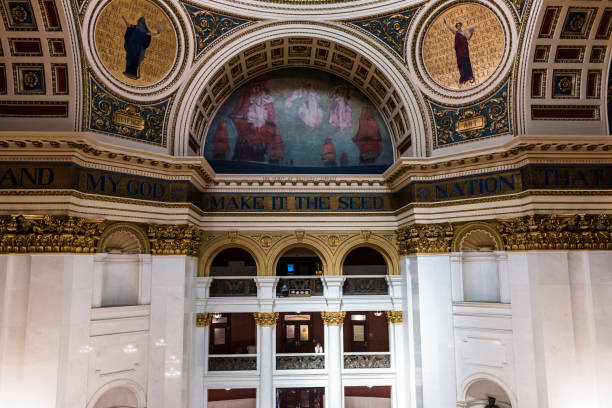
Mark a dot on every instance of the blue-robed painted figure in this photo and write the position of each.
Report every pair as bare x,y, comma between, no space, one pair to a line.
137,39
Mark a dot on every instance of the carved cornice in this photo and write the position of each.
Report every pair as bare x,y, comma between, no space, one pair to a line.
333,318
265,319
576,231
42,234
174,239
425,238
395,316
203,319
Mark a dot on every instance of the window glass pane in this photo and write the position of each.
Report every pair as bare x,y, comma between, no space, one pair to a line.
290,332
303,332
359,333
219,335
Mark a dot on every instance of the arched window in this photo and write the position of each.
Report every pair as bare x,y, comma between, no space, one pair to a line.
299,262
364,261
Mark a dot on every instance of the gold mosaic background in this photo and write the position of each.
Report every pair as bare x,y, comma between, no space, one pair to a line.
109,32
486,45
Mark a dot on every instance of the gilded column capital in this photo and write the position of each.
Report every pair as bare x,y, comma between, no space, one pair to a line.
265,319
425,238
45,233
181,239
395,316
333,318
203,319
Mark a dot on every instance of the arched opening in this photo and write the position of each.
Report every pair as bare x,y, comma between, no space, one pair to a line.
302,267
368,266
479,267
118,397
486,393
364,261
231,269
233,262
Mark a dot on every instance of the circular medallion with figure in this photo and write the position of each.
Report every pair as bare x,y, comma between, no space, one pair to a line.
135,42
463,46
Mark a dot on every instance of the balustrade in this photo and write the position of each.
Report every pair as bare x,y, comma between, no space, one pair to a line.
232,286
367,360
300,361
365,285
232,362
299,286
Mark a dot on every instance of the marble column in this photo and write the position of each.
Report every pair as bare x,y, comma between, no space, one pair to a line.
266,323
199,352
333,338
399,360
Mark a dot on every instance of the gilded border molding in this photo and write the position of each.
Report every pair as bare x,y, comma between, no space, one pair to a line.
425,238
333,318
265,319
394,316
43,234
203,319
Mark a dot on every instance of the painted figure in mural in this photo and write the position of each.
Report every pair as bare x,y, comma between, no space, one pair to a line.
491,403
344,161
341,114
136,40
462,51
220,142
310,110
253,117
329,153
368,138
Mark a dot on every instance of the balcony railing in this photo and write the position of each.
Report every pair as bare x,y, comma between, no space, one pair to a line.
367,360
232,286
365,285
300,361
232,362
301,286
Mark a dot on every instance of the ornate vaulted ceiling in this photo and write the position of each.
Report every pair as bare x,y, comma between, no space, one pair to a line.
517,67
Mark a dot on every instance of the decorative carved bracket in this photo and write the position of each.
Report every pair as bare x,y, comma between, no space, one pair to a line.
265,319
333,318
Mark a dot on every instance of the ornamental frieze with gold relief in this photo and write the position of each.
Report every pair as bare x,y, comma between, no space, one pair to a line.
533,232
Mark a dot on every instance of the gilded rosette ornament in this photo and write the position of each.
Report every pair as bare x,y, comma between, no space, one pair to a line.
333,318
181,239
394,316
577,231
37,233
203,319
425,238
265,319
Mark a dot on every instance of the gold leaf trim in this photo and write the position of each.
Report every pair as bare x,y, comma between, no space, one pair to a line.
333,318
265,319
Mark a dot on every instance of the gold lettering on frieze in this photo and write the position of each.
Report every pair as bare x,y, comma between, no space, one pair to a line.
473,123
128,117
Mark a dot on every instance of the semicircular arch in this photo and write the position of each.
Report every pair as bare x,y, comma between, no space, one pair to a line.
287,243
385,81
482,376
489,234
124,234
214,248
132,386
382,246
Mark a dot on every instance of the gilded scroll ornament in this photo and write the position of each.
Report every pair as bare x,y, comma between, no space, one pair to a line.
576,231
390,29
203,319
333,318
394,316
174,239
425,238
265,319
41,234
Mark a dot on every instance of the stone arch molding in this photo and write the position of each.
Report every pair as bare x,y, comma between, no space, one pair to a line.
475,235
267,247
193,113
384,247
211,249
129,384
125,238
482,376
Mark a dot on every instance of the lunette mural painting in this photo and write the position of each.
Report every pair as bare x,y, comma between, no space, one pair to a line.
298,121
